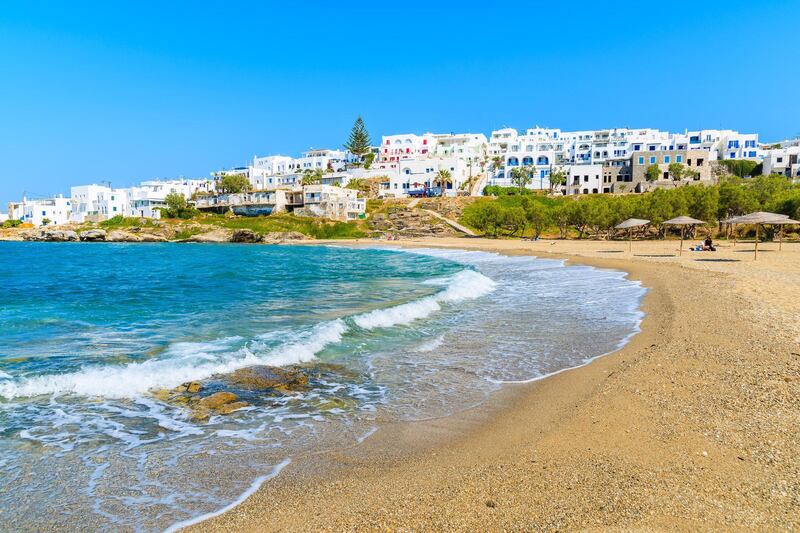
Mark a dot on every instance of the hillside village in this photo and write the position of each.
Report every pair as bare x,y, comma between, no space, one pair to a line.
336,184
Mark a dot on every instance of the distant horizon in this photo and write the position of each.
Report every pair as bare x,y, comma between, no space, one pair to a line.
131,93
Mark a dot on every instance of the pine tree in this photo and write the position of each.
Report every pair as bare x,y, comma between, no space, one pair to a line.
359,140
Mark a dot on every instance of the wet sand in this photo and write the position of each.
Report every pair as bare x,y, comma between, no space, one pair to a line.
693,425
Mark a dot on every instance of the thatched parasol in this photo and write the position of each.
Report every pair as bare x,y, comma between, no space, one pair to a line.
683,222
629,225
758,218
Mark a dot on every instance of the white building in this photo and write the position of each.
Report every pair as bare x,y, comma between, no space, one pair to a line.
785,161
41,212
3,217
333,202
95,203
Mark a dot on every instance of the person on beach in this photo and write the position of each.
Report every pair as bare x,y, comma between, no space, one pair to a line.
708,245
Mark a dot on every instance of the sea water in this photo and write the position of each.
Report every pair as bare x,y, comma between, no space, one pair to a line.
88,333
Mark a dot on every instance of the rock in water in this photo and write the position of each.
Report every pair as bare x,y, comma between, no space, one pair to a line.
217,400
268,377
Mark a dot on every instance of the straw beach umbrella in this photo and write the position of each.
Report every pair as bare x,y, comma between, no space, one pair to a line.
629,225
782,222
683,222
758,218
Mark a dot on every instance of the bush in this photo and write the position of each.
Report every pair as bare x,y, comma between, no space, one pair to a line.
177,207
12,223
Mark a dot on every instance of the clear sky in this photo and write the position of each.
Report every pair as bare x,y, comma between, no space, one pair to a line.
125,91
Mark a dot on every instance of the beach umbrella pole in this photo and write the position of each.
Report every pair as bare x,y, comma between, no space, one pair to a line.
630,239
680,250
755,257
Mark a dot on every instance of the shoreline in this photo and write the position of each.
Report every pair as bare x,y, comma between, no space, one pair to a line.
522,459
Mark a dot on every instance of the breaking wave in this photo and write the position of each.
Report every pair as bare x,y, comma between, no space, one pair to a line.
467,284
188,361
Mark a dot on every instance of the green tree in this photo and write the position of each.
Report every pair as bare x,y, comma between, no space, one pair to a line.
443,177
233,184
312,177
46,221
521,177
652,173
537,215
676,172
359,142
177,207
557,178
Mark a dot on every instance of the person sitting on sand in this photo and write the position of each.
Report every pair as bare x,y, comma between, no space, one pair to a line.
708,245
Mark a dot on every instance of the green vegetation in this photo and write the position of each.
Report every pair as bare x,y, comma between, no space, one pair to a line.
521,177
514,214
119,222
177,207
443,177
313,227
12,223
652,173
233,184
46,221
312,177
359,142
742,167
368,160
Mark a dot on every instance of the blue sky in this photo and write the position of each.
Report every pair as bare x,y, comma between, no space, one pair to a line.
125,91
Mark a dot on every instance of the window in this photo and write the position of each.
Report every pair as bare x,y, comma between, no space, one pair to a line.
699,162
752,154
733,155
666,159
586,179
780,160
679,159
114,209
637,147
641,160
652,160
652,147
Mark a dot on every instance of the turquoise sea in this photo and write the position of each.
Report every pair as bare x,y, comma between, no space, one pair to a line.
89,333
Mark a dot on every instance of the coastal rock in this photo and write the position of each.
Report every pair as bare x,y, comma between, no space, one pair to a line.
149,237
246,236
192,387
50,235
228,408
217,235
268,377
217,400
123,236
93,235
275,237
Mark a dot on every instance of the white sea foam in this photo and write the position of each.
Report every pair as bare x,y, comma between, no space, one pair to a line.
465,285
430,345
3,375
184,361
246,494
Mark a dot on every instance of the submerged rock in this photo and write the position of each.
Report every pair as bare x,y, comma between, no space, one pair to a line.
266,378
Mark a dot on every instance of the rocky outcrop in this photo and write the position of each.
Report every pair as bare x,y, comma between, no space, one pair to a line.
275,237
93,235
266,378
50,235
246,236
410,222
122,236
217,235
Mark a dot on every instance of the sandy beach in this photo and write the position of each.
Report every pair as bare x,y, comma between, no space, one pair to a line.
693,425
